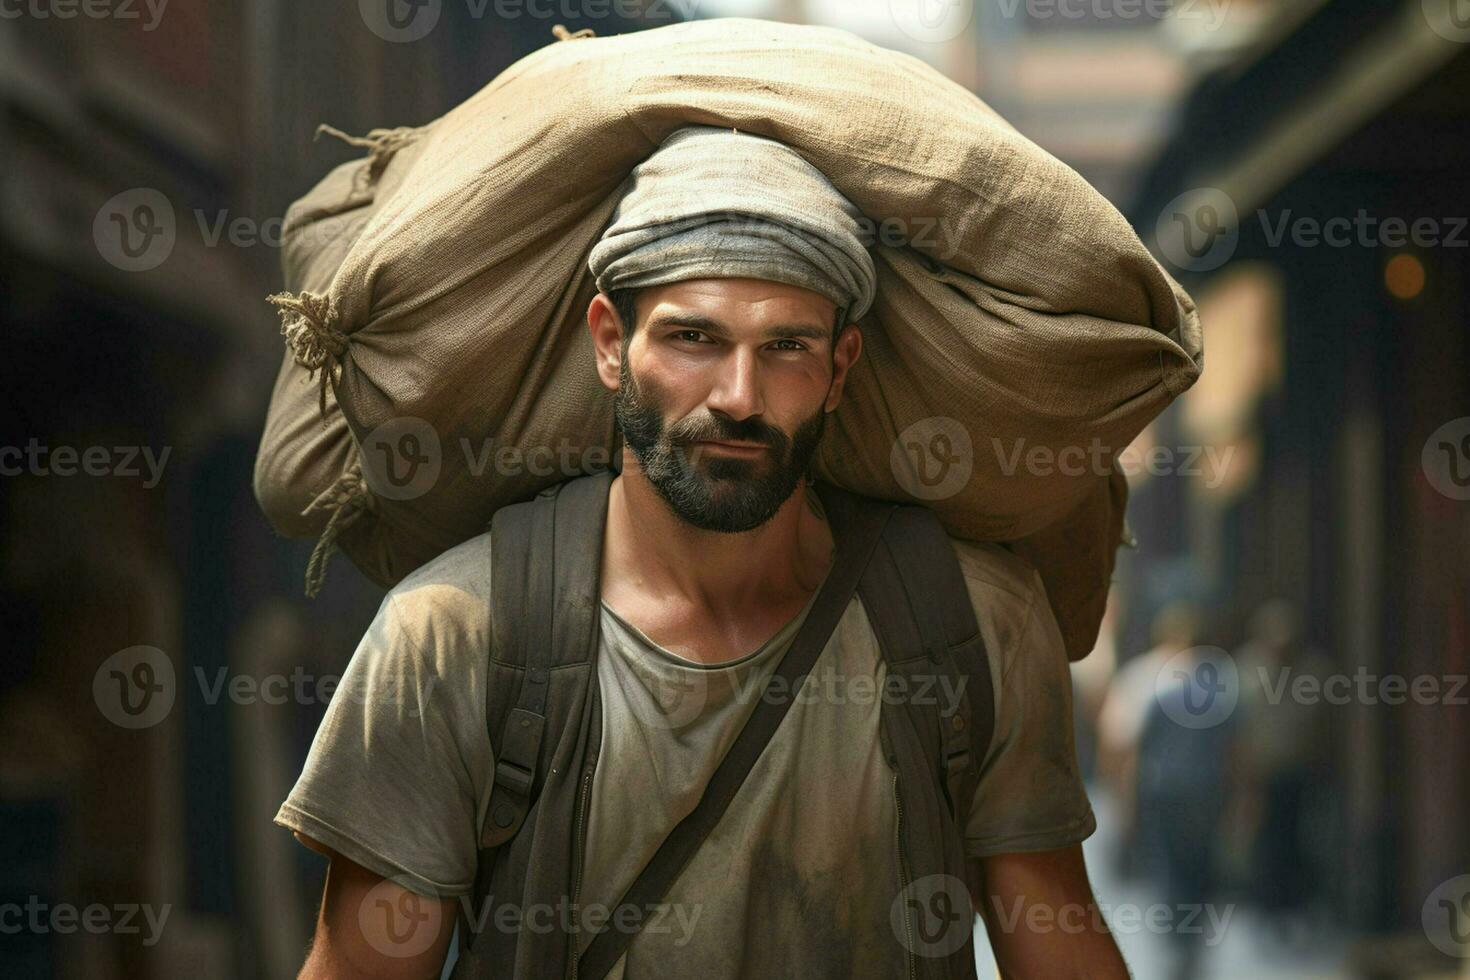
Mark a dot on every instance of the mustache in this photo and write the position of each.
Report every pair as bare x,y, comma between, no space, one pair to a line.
702,428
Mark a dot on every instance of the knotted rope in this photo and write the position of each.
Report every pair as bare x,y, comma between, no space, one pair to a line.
309,324
348,500
381,145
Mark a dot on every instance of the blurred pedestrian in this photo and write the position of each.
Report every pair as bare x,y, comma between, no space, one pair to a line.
1284,752
1125,710
1182,784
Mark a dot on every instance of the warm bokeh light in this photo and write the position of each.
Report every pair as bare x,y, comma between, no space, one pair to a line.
1404,276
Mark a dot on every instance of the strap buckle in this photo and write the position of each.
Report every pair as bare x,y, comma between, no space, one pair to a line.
516,778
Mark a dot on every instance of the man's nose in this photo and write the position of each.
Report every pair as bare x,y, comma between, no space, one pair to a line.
737,389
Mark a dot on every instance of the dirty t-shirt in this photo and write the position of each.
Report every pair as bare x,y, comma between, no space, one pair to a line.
801,873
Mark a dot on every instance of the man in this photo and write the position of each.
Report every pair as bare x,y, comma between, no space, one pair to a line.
730,278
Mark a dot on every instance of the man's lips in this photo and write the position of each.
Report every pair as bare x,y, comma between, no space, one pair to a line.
734,448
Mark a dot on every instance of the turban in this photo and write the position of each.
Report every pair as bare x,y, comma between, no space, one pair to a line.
714,203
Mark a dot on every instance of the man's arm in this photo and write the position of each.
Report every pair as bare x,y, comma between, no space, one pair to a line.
372,928
1042,918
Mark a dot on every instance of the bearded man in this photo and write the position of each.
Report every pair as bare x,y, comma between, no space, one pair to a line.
730,281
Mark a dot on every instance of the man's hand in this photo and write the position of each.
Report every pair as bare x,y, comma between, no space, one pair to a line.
375,929
1042,918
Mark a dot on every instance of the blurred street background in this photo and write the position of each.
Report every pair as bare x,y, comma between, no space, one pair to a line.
1275,723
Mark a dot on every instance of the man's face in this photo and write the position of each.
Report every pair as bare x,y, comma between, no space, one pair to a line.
723,392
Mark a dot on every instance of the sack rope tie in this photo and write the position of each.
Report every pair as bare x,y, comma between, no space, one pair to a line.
381,145
562,34
309,324
348,500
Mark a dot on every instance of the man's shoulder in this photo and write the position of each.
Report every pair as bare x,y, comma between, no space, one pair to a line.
1005,591
447,599
996,573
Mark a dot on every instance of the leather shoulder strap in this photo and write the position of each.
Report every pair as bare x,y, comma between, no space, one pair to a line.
916,599
857,525
545,556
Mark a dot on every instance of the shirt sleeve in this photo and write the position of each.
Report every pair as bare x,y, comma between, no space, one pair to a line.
397,778
1030,796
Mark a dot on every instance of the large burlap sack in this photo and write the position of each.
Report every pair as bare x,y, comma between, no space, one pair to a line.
1021,334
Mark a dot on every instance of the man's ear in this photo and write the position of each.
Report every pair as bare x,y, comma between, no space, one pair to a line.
606,328
845,352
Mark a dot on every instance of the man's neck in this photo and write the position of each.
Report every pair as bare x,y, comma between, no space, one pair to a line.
653,550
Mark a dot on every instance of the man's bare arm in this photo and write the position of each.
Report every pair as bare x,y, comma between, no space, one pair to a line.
372,928
1042,918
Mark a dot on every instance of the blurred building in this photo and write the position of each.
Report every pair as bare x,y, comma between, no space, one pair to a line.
150,153
1312,195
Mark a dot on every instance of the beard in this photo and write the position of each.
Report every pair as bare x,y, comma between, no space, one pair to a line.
711,492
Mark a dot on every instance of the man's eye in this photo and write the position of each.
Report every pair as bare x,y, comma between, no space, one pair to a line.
793,344
691,335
